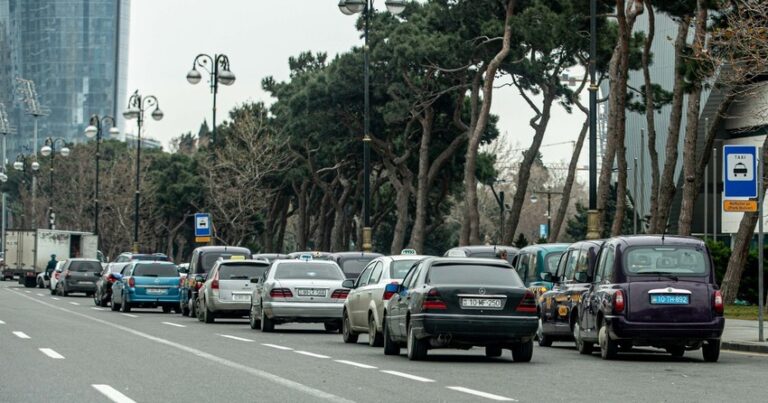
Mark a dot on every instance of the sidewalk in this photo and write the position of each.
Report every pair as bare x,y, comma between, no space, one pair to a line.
741,335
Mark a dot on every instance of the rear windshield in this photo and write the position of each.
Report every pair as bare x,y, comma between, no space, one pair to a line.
353,267
85,266
149,257
488,255
156,270
470,274
210,258
314,271
242,271
551,261
675,260
400,268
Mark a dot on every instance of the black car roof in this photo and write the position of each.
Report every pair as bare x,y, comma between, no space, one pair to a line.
466,260
644,240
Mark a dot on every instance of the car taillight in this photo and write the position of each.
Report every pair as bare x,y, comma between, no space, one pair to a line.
340,294
388,294
618,302
215,282
433,301
110,279
717,301
131,282
527,304
281,293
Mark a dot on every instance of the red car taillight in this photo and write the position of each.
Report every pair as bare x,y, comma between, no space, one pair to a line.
433,301
281,293
618,302
527,304
340,294
131,282
717,301
110,279
215,282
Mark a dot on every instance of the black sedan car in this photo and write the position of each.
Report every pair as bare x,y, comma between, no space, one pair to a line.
460,303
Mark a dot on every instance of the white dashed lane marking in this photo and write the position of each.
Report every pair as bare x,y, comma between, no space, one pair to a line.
1,322
277,346
307,353
39,295
236,338
129,315
97,308
50,353
55,298
113,394
478,393
173,324
408,376
74,303
356,364
21,335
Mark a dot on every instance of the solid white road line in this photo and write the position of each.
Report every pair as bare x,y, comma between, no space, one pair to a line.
481,394
408,376
21,335
356,364
307,353
113,394
276,379
51,353
236,338
172,324
129,315
74,303
277,346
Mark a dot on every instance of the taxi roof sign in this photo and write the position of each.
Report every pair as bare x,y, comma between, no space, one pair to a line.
307,257
408,252
237,257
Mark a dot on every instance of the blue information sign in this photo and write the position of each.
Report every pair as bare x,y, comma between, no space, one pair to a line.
543,231
202,225
739,171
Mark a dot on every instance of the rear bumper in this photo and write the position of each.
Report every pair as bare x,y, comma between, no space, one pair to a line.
621,328
80,287
476,328
225,306
153,299
302,311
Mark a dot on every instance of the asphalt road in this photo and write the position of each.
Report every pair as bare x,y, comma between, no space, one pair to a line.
64,349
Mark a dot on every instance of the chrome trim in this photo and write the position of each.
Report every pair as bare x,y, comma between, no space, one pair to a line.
460,316
669,290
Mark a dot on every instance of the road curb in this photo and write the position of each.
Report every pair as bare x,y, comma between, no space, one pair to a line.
749,347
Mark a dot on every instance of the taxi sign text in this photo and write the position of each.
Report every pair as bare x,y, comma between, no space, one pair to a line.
740,206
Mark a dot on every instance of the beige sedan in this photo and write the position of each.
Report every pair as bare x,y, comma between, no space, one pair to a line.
364,307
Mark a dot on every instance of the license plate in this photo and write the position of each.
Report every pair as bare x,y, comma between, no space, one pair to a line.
481,303
670,299
155,291
311,292
241,297
85,282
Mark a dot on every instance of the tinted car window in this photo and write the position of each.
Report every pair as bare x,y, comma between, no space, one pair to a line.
353,267
241,271
551,260
156,270
297,271
681,261
398,269
570,264
210,258
458,274
85,266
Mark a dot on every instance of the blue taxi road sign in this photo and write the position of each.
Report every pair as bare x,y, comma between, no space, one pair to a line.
202,225
739,171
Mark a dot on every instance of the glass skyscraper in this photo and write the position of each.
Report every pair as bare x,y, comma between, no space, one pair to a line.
75,51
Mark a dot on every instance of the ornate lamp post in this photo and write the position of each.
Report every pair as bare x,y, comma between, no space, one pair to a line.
21,164
49,149
94,129
592,215
137,105
217,67
349,7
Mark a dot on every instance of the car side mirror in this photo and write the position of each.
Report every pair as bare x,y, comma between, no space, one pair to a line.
547,276
255,280
348,284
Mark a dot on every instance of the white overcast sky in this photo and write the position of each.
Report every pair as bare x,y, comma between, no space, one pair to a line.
259,36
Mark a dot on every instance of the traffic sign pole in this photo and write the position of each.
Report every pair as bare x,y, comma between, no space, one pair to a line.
761,249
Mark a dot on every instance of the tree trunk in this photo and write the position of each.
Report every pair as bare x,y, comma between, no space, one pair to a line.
402,200
303,221
337,234
557,223
474,102
650,118
422,187
667,187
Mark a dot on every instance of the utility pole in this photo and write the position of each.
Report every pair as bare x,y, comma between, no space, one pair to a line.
33,108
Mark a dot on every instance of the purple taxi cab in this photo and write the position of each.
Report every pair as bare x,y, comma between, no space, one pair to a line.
654,290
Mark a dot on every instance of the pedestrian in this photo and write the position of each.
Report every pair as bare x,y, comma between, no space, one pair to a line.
51,266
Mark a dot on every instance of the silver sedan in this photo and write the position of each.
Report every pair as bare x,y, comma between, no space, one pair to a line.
228,289
299,291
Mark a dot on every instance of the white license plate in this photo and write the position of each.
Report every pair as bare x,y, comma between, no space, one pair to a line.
241,297
493,303
311,292
155,291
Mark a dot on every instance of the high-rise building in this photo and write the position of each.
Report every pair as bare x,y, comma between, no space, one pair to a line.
76,53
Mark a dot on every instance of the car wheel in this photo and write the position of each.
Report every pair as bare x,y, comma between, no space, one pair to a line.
208,316
40,283
114,306
493,351
183,308
192,306
390,347
544,341
166,309
96,299
347,334
375,338
255,323
711,350
522,352
267,324
608,348
125,306
198,313
53,291
582,346
417,349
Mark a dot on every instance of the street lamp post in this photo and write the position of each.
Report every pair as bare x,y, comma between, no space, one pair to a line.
137,104
94,129
217,67
49,149
549,194
21,165
349,7
592,215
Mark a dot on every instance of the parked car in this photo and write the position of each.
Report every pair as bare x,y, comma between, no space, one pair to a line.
103,294
44,278
483,251
558,308
353,263
657,291
53,279
364,307
78,275
202,261
534,263
145,284
270,257
458,302
316,255
130,256
299,291
227,290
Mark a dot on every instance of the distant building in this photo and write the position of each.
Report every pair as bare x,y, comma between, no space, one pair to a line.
146,142
76,52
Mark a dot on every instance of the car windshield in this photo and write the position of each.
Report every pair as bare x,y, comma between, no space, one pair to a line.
353,267
551,261
308,271
400,268
672,260
210,258
86,266
470,274
242,271
155,270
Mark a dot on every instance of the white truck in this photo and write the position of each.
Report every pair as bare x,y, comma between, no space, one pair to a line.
27,252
